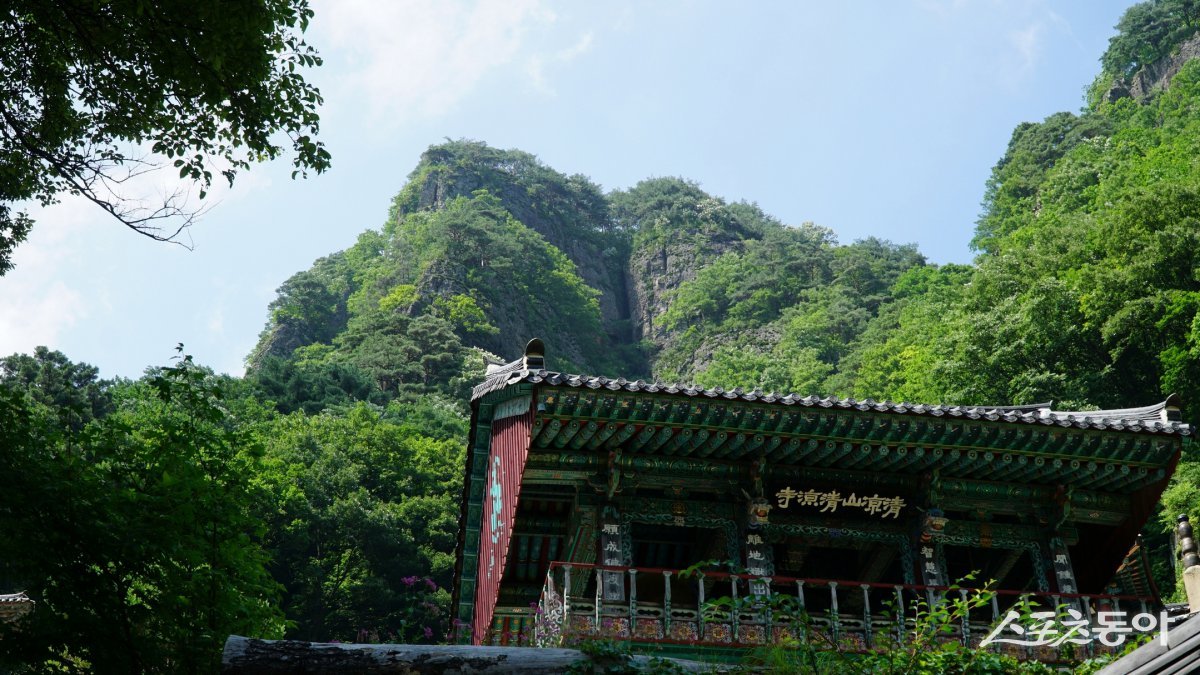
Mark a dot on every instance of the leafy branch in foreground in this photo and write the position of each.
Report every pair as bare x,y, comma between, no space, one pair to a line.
93,97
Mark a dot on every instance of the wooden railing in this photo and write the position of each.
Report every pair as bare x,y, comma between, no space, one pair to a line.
712,608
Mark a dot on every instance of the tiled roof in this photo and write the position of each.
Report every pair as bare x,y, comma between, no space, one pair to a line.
1148,419
14,606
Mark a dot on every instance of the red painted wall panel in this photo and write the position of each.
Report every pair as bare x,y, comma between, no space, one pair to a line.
506,462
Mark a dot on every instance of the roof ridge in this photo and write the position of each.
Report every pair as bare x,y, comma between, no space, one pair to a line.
1159,417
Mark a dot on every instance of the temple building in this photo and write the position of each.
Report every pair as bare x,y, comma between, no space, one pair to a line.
14,606
605,507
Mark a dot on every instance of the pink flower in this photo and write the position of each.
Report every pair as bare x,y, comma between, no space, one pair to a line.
409,581
428,632
430,584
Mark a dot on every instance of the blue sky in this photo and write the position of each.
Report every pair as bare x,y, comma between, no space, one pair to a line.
869,118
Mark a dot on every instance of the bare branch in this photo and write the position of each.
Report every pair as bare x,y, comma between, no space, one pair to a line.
85,175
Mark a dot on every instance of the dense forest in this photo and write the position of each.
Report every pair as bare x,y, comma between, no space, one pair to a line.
316,497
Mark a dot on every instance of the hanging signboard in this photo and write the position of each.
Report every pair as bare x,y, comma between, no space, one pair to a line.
839,501
610,555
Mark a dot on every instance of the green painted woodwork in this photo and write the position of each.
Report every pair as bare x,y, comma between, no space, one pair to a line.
566,434
703,514
556,476
549,432
957,494
735,417
891,457
787,450
772,443
811,446
681,439
660,439
731,446
715,441
643,438
585,434
621,436
1003,535
603,435
567,402
583,465
754,443
538,524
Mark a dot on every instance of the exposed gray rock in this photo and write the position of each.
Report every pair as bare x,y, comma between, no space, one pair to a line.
656,270
1157,76
599,267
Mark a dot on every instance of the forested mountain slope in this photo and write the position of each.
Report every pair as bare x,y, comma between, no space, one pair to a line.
484,249
1084,291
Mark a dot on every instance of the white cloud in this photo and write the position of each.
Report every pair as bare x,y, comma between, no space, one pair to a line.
36,306
80,267
216,321
39,317
536,66
419,57
1027,43
416,59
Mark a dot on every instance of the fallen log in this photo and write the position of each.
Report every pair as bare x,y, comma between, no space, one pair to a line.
251,656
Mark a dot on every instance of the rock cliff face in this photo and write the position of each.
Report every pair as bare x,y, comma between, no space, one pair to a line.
310,308
657,269
635,267
1157,76
560,216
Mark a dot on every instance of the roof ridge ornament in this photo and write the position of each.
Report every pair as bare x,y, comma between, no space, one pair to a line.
535,355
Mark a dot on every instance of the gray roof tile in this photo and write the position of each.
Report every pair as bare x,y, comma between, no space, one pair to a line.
1146,419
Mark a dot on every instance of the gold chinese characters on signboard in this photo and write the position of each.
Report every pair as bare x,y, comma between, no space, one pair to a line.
829,502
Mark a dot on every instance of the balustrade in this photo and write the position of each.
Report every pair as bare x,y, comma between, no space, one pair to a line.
739,610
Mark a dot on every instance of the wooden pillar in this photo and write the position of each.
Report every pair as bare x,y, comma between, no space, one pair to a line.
1060,562
929,558
929,554
759,559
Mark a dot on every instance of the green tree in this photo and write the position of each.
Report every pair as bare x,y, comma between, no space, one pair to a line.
136,540
312,386
362,510
72,391
1011,196
1147,32
94,94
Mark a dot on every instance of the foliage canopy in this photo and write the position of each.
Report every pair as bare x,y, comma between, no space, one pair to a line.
96,94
